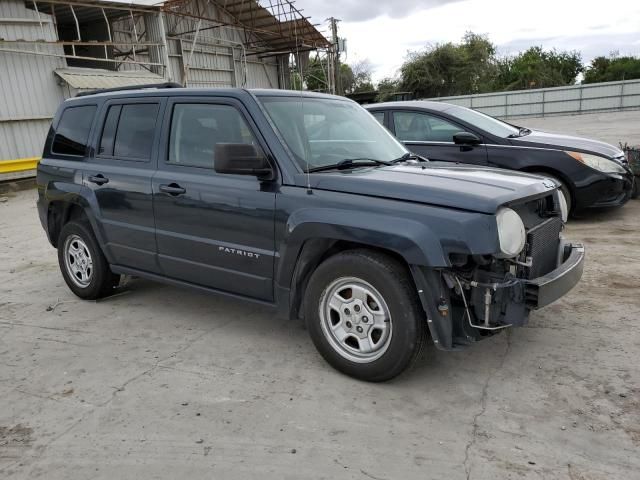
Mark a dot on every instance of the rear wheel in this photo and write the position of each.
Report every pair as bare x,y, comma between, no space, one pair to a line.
82,263
363,316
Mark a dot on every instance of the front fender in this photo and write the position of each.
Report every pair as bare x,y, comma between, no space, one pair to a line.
412,240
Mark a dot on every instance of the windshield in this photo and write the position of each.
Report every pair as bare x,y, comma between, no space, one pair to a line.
484,122
322,131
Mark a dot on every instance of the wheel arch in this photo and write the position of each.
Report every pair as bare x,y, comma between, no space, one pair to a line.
317,250
59,214
68,202
555,173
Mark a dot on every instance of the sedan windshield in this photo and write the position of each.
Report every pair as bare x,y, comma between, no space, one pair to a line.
485,122
321,131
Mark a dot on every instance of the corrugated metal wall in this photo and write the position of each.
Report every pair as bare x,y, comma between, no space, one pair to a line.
29,93
218,59
589,98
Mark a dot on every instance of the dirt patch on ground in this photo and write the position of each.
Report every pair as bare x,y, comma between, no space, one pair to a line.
16,436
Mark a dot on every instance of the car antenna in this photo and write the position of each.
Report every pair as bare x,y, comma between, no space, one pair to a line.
306,156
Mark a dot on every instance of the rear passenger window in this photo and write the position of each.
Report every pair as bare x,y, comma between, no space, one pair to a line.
128,131
73,130
196,128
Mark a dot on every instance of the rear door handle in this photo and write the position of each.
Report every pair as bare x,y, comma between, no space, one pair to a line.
172,189
98,179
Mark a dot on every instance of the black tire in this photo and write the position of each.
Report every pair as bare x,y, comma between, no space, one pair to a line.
636,188
101,280
391,280
563,188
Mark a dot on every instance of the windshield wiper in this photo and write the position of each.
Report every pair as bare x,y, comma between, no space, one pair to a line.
522,131
409,156
349,163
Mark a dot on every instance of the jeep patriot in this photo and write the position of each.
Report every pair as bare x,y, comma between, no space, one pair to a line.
303,203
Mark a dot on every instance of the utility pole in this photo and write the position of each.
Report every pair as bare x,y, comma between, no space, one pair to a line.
337,88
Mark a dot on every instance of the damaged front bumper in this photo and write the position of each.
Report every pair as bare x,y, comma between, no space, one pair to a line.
545,290
462,311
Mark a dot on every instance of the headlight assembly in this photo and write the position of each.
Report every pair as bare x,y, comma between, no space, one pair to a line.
511,233
597,162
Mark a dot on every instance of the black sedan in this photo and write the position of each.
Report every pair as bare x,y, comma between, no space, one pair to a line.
591,174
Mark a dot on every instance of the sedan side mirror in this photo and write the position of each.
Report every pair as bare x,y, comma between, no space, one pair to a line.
241,159
466,138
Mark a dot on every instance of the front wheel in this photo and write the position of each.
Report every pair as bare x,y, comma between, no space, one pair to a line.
82,263
363,316
564,188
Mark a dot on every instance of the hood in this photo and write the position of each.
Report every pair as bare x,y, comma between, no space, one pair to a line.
458,186
542,139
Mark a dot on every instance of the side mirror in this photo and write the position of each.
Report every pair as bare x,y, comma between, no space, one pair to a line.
466,138
240,159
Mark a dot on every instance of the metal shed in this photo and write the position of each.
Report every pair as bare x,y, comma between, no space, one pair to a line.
53,49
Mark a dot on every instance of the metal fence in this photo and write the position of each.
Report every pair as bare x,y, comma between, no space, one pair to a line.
575,99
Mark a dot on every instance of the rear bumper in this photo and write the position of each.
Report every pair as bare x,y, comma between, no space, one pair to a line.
544,290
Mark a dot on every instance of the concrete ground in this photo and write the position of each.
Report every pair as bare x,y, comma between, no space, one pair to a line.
159,382
610,127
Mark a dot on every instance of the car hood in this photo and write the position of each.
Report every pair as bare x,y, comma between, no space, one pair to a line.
538,138
462,187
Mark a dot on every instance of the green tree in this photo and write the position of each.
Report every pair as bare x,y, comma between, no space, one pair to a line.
473,66
361,77
612,68
315,76
386,87
450,69
353,78
537,68
347,78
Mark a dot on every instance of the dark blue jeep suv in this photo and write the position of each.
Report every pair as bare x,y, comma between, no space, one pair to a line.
302,203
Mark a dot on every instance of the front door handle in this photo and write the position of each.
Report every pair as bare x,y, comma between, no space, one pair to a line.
98,179
172,189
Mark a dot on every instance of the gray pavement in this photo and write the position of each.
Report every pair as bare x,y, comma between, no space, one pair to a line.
165,383
610,127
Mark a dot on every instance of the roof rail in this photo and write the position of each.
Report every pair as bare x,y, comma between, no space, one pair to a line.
131,87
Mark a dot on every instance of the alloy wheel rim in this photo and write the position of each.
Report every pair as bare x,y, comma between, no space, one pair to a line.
355,319
78,261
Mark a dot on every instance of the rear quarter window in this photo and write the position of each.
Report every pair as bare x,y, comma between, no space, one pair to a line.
73,130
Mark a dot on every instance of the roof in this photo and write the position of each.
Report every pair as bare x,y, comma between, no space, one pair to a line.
435,106
204,92
279,27
94,78
87,11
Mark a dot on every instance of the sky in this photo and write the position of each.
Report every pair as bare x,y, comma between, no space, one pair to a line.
383,31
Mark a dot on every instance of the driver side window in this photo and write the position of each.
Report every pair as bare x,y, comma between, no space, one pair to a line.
197,128
422,127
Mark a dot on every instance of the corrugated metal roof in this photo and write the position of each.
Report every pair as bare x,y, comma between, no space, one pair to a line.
94,78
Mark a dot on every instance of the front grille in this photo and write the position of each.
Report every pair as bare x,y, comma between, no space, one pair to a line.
542,246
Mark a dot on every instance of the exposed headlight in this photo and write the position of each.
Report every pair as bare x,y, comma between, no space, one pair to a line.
511,232
564,208
597,162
